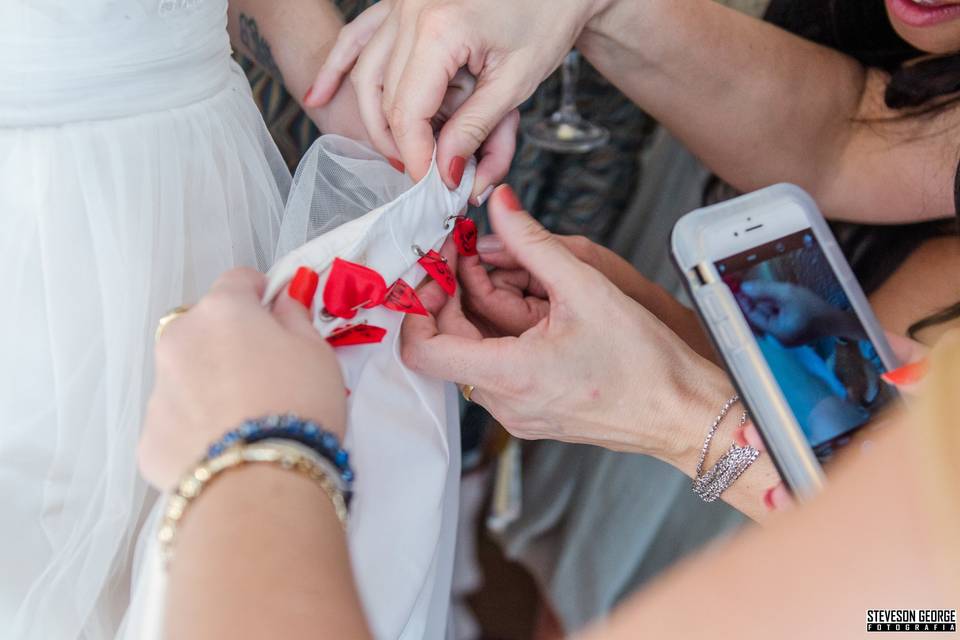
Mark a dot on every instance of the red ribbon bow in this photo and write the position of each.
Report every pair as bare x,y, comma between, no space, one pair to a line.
352,286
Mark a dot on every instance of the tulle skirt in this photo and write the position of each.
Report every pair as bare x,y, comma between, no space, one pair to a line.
105,226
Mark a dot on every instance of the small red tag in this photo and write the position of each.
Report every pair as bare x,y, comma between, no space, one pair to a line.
352,286
351,334
465,236
439,270
401,297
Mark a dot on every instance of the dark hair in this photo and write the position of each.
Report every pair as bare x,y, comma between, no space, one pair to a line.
919,86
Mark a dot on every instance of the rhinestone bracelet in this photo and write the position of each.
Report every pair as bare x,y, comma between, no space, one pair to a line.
710,485
290,427
288,455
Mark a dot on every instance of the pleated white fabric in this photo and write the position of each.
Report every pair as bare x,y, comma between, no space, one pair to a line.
134,169
403,429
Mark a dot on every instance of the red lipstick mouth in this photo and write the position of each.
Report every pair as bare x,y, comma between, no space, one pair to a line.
923,13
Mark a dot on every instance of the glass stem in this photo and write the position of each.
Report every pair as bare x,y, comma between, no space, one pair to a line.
569,73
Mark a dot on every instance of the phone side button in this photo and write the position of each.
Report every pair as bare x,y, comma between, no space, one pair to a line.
728,340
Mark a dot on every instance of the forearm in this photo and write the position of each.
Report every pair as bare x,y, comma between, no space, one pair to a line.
759,105
702,389
820,558
289,39
262,554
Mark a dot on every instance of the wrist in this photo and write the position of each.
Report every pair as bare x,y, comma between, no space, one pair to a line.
702,389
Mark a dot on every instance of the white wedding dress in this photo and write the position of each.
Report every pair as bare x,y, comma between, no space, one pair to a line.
134,169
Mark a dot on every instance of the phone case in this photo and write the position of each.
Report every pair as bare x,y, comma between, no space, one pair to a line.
733,338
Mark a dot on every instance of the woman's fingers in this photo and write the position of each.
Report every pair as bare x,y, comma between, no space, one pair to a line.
500,297
437,55
778,498
483,362
488,109
537,250
496,155
367,78
350,42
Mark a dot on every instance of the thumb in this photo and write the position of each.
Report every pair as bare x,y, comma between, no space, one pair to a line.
473,123
294,316
534,248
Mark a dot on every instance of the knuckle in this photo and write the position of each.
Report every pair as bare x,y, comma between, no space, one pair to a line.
412,357
474,127
438,21
396,119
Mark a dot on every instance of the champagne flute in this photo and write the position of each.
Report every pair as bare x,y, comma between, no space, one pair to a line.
566,131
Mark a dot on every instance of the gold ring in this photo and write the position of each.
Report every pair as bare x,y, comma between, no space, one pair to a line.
467,391
167,319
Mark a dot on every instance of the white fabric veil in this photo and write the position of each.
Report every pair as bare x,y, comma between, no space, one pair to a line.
403,428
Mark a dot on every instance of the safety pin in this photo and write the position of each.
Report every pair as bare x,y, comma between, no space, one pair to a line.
326,316
421,254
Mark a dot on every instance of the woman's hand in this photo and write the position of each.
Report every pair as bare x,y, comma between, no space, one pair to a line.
596,367
229,359
404,54
510,300
794,315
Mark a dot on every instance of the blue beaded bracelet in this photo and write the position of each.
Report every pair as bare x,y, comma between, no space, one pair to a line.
290,427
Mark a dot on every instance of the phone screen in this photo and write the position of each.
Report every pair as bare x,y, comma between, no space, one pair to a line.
810,336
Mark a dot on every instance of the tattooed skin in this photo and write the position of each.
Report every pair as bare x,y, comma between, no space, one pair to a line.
257,46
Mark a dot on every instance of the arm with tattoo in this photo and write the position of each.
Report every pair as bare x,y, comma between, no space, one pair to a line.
291,39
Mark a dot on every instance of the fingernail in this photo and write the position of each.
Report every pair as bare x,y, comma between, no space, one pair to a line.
306,96
508,198
457,165
739,438
907,374
777,498
303,286
396,164
489,244
768,499
484,195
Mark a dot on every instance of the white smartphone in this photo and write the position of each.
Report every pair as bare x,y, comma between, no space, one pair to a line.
790,321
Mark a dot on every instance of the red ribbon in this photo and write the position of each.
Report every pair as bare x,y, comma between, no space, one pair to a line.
401,297
465,236
439,270
353,334
350,287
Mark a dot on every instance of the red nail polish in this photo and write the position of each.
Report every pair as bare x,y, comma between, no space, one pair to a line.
739,438
304,286
768,499
907,374
457,165
508,198
307,95
396,164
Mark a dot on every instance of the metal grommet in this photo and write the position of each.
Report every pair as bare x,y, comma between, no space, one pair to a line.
417,250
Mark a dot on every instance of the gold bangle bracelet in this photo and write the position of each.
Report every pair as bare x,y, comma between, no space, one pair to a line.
287,455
